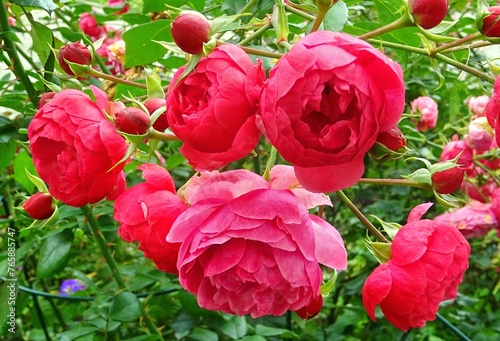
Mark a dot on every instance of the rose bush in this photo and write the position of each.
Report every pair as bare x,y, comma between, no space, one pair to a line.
146,213
428,260
249,249
76,149
212,110
323,120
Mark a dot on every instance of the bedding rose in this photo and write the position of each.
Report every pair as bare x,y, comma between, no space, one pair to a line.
324,104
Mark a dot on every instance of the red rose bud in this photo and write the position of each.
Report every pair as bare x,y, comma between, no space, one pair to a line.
392,139
154,104
491,23
447,181
312,309
39,206
74,53
428,13
45,98
132,121
190,31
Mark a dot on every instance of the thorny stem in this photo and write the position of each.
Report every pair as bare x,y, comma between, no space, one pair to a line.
110,261
361,217
395,182
299,12
455,43
112,78
253,51
403,21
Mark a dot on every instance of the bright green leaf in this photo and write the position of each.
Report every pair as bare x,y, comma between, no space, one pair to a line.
42,40
336,18
7,152
47,5
54,253
125,308
23,163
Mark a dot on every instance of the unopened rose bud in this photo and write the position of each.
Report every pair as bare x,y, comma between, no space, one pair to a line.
448,180
45,98
154,104
132,121
312,309
74,53
428,13
392,139
39,206
491,23
190,30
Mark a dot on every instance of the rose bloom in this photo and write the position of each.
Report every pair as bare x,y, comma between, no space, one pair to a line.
117,3
480,135
76,149
455,147
493,109
473,221
213,109
427,110
478,105
146,213
323,114
89,26
247,248
428,261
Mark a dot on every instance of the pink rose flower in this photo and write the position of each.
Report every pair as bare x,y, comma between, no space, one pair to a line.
473,221
323,114
455,147
89,26
146,213
75,148
428,260
478,105
213,109
480,135
427,110
251,249
493,109
122,4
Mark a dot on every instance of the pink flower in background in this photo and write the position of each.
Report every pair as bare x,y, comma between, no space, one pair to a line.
455,147
113,51
478,105
118,3
473,221
146,213
493,109
213,109
323,114
427,111
89,26
75,148
480,135
428,260
250,249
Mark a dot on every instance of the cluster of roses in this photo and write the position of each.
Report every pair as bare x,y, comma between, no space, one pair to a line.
241,243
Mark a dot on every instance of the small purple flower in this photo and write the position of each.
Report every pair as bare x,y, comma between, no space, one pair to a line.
71,285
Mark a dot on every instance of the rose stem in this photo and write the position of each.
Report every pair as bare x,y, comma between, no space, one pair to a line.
110,261
253,51
158,135
395,182
322,9
299,12
112,78
256,34
438,56
361,217
10,47
403,21
455,43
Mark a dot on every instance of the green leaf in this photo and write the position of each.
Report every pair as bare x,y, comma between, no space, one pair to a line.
160,5
23,163
7,152
253,338
125,308
329,286
141,47
235,328
336,17
76,332
153,83
39,183
47,5
203,335
270,331
381,251
42,40
8,129
54,253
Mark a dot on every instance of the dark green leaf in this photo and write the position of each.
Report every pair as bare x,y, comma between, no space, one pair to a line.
47,5
42,40
125,308
140,46
235,328
7,152
76,332
54,253
203,335
23,162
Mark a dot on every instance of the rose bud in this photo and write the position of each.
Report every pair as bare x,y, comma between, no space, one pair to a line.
448,180
45,98
39,206
392,139
74,53
190,31
490,25
154,104
312,309
132,120
428,13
